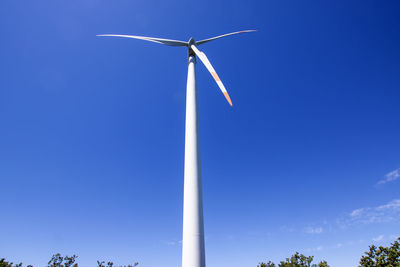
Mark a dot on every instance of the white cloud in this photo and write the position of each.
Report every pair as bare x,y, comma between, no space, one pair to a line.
319,248
287,229
313,230
384,213
172,243
356,212
394,204
378,238
390,177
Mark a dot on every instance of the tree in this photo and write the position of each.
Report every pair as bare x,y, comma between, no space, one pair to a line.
268,264
323,264
111,264
382,256
4,263
58,261
297,260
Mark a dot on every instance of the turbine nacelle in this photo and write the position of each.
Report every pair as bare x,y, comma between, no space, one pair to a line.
191,53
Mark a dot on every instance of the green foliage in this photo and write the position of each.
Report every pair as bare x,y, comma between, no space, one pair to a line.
323,264
4,263
268,264
375,257
382,256
58,261
111,264
297,260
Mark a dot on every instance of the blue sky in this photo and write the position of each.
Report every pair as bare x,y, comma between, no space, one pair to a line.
92,130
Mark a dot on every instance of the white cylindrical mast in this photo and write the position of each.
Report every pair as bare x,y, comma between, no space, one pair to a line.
193,253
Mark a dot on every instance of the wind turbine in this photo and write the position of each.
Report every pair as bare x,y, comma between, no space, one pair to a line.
193,253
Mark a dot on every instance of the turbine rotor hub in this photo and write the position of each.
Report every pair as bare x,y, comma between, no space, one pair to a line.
191,41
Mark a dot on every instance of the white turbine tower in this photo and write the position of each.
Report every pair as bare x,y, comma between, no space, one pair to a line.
193,254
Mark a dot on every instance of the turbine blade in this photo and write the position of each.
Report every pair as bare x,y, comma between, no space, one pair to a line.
220,36
150,39
210,68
